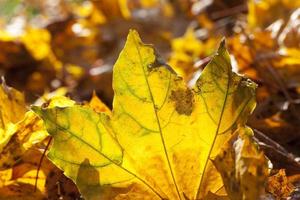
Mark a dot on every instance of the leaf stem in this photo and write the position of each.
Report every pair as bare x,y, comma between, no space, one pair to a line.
40,164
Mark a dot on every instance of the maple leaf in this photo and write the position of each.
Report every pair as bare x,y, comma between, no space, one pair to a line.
159,141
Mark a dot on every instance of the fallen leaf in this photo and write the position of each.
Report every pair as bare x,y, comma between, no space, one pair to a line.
51,181
19,159
161,136
12,105
27,133
243,167
12,110
279,185
24,135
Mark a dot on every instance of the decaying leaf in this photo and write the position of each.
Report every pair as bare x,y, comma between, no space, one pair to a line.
19,160
25,134
20,180
50,182
161,137
279,185
243,167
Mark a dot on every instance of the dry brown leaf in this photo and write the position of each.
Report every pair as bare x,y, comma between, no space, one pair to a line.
279,185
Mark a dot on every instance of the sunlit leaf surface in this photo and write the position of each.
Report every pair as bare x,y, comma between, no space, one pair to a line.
161,136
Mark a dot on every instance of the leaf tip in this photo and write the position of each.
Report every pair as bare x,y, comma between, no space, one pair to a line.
222,44
133,34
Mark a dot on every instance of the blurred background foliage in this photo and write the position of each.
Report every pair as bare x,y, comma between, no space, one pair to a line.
53,43
73,44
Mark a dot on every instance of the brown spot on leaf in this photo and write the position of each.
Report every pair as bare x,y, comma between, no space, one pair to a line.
184,100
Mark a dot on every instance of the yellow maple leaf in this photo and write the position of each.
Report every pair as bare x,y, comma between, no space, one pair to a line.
159,141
